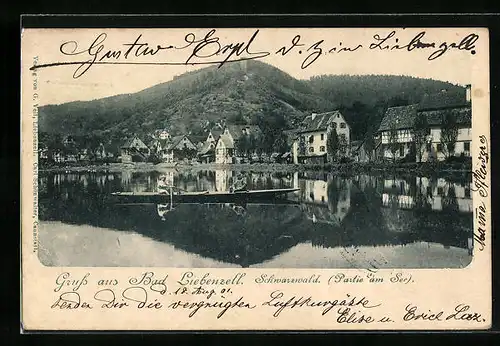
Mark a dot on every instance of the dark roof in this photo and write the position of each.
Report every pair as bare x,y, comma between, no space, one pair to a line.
206,149
318,122
397,118
443,100
196,139
355,145
176,140
216,132
236,131
128,143
463,116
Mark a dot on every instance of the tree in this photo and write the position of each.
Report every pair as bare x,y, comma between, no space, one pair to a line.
393,142
243,145
280,143
369,143
302,145
332,145
420,133
449,134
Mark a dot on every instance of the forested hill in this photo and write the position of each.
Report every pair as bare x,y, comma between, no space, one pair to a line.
364,99
246,92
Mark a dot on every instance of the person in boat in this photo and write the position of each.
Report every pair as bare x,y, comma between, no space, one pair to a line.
163,187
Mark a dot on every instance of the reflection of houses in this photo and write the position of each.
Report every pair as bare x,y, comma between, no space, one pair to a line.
441,195
425,193
397,193
223,180
325,201
310,146
397,126
134,150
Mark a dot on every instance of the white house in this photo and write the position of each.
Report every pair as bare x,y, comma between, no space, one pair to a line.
310,145
401,122
224,150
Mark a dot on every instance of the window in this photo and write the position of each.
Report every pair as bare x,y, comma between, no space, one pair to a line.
311,149
323,199
439,147
440,191
342,125
311,139
322,148
467,192
401,150
467,146
322,136
334,125
428,146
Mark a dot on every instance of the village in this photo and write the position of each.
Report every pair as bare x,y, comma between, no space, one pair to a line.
438,128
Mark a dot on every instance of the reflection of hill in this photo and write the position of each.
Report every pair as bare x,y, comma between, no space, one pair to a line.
263,232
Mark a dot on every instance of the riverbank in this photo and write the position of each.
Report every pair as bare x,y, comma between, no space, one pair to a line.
422,169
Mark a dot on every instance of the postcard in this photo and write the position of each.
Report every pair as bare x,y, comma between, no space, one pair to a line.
255,179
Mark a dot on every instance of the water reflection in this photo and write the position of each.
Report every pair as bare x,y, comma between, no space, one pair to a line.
327,216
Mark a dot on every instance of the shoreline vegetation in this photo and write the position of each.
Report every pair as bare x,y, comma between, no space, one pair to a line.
421,169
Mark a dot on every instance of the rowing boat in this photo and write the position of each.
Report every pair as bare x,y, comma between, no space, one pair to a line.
201,196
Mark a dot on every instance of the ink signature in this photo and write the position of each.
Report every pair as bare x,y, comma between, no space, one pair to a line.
209,49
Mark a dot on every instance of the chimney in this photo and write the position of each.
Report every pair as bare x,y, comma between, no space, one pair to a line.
468,93
313,115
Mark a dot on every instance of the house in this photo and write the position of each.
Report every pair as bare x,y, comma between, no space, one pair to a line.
435,108
213,135
134,150
397,128
178,148
161,134
160,148
207,153
237,132
310,145
396,131
224,149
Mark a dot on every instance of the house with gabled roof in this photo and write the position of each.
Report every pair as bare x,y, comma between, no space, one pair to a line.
397,126
310,145
179,147
435,108
400,121
134,149
235,132
213,135
224,149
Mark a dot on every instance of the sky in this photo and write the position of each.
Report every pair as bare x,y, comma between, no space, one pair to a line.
56,84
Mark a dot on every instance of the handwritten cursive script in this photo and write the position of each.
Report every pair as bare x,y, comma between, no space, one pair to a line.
277,301
462,312
210,49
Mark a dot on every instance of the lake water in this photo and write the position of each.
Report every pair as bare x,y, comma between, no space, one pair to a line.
332,222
